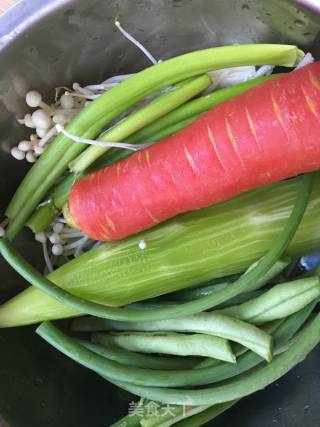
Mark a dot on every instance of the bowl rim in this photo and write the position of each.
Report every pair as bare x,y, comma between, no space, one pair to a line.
23,14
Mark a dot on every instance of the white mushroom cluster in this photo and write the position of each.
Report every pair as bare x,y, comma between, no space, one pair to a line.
62,240
45,121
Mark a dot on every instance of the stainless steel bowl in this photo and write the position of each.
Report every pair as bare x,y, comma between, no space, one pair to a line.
46,43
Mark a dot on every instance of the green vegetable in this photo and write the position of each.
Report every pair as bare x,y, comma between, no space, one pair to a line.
232,55
169,378
161,128
115,154
92,119
280,301
206,323
131,358
194,107
113,370
170,343
244,385
161,105
135,274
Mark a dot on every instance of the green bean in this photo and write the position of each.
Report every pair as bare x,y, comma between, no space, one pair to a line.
280,301
131,358
244,385
243,284
207,323
206,415
202,345
194,107
238,349
93,359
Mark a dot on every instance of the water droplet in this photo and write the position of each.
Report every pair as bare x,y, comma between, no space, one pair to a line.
299,23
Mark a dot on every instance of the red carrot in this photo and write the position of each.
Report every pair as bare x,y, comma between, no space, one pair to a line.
268,133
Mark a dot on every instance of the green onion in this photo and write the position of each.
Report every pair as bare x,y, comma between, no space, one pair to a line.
228,56
194,107
156,108
170,343
136,274
115,154
244,385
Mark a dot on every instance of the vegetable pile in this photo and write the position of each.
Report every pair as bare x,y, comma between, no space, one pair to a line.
255,139
242,323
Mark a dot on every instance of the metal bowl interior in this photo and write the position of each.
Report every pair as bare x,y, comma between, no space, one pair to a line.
48,44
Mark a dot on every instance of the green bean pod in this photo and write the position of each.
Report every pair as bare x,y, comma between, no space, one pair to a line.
255,380
207,323
202,345
91,357
280,301
139,360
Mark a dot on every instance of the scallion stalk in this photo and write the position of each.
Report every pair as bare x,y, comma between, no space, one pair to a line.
194,107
